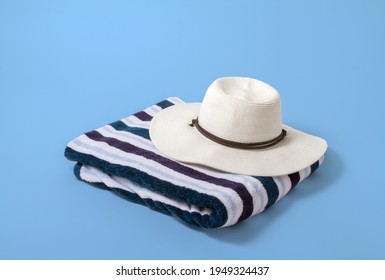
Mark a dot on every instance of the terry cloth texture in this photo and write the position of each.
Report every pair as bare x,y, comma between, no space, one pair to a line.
121,157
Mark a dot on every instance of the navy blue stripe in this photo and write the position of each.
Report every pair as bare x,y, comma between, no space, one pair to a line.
121,126
143,116
314,166
164,104
271,189
294,179
77,170
216,218
239,188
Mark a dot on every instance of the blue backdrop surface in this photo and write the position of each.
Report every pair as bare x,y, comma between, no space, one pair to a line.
67,67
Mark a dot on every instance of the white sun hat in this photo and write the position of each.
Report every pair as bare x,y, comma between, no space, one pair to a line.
237,128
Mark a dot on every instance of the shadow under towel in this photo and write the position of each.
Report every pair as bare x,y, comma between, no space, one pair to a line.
121,157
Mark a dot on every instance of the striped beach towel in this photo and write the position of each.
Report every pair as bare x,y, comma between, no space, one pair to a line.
121,157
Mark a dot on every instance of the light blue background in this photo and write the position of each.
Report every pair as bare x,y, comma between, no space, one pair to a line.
67,67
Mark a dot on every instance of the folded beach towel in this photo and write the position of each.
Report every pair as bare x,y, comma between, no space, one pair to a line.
121,157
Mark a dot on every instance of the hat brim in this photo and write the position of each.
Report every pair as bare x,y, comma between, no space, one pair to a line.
172,135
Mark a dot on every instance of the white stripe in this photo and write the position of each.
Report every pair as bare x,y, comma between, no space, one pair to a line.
321,160
88,176
135,122
153,110
301,175
127,185
283,183
287,182
264,197
307,171
175,100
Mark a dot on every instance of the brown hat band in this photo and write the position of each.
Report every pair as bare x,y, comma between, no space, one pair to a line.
232,144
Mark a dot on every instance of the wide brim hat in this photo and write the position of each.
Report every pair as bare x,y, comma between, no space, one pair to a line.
237,128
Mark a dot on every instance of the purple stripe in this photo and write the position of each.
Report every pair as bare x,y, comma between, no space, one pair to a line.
143,116
129,148
294,178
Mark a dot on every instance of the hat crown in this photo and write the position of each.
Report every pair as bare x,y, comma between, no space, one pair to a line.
241,109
